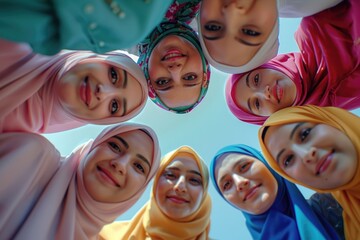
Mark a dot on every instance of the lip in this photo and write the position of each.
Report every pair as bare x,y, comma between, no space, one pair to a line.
177,199
251,192
277,92
85,91
324,163
172,55
107,176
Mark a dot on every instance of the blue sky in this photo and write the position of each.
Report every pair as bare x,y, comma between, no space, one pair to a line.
207,128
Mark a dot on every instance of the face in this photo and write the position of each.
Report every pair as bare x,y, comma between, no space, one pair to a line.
264,91
233,31
118,168
176,72
316,155
96,90
246,182
180,188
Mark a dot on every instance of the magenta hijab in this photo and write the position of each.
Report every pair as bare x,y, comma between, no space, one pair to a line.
28,97
44,196
320,77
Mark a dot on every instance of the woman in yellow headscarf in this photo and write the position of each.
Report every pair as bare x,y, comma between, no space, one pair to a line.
319,148
179,205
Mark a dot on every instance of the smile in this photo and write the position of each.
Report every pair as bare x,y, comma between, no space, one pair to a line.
251,192
324,163
278,92
177,199
107,177
85,91
172,55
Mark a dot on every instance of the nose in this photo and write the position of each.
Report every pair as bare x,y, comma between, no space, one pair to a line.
180,185
175,66
120,164
308,155
104,91
241,6
266,92
241,183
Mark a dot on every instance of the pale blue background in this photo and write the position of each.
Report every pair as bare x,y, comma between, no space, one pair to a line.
207,128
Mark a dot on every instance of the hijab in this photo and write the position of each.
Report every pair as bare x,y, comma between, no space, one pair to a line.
290,216
28,88
347,195
146,47
316,79
45,196
151,223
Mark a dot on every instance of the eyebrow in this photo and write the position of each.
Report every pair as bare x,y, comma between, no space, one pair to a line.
124,102
122,140
233,166
247,84
247,43
189,171
291,136
212,38
144,159
185,85
125,79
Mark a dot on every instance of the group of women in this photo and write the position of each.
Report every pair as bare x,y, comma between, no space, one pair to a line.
63,66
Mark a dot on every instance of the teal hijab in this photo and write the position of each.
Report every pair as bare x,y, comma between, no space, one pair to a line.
163,30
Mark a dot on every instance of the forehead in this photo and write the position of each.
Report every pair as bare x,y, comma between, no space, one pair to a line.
184,162
278,136
227,161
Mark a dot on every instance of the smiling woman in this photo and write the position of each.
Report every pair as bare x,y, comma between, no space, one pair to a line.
324,144
73,197
179,206
67,90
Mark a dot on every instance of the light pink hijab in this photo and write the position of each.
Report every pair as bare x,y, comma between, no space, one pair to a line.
28,81
42,195
326,72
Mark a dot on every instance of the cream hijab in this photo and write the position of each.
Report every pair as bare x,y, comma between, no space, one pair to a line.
151,223
347,195
44,196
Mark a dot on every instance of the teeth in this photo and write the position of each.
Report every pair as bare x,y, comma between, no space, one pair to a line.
171,55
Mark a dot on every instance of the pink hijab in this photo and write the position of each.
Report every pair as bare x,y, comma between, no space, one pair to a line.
320,77
44,196
28,81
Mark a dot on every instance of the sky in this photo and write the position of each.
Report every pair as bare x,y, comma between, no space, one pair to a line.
207,128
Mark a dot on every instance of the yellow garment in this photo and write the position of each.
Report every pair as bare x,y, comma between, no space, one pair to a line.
151,223
347,195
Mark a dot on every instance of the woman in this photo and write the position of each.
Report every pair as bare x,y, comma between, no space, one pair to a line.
50,94
318,147
273,207
238,36
308,77
179,205
47,196
175,68
98,26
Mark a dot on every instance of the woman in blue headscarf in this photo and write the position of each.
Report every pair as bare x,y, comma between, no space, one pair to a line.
273,207
174,64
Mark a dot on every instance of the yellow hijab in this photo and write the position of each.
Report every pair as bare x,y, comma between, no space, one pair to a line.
151,223
347,195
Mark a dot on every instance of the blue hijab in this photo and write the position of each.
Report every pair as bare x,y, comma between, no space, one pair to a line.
290,217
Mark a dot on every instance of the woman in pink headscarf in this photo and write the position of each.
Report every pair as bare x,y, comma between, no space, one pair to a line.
326,72
45,196
55,93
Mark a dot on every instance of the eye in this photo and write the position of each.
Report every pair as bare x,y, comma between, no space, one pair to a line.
244,167
161,82
250,32
212,27
195,181
257,104
190,77
113,75
226,185
287,161
114,147
169,175
114,106
256,79
304,133
139,167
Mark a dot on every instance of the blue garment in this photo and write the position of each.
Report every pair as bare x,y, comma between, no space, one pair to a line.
290,217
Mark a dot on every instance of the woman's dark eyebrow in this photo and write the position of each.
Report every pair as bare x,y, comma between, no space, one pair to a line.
124,107
144,159
211,38
122,140
247,43
248,84
125,79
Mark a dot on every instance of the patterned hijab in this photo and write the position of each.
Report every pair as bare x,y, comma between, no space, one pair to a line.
151,223
290,216
347,195
146,47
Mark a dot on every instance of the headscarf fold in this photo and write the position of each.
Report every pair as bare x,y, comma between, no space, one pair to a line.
151,223
48,199
290,216
146,47
347,195
316,79
28,88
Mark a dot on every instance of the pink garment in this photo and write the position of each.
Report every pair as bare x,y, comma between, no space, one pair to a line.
42,195
28,97
326,72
